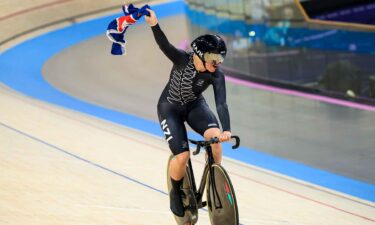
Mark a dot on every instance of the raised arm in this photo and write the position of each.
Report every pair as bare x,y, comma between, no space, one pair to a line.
167,48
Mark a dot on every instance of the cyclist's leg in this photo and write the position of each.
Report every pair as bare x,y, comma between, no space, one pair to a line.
216,148
204,122
174,130
173,126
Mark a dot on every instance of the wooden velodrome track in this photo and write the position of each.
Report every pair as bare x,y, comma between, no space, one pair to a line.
59,166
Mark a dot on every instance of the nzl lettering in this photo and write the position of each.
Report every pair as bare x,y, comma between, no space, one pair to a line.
195,47
166,130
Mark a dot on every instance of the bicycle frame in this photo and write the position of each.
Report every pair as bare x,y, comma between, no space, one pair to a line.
208,168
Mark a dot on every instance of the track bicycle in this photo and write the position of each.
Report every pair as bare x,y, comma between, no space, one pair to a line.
221,199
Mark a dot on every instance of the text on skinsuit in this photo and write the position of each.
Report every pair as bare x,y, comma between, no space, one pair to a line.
166,130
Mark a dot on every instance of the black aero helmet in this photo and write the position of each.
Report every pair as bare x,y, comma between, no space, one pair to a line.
210,48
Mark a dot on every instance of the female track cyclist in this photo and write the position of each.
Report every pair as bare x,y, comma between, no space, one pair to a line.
182,101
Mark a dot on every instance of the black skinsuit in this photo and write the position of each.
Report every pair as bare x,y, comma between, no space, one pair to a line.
182,100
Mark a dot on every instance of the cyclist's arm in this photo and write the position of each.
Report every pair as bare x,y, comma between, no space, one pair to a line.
168,49
220,100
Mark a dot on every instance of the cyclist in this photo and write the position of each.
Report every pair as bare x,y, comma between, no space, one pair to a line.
182,101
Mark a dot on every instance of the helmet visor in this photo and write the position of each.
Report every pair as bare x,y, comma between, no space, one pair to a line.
213,58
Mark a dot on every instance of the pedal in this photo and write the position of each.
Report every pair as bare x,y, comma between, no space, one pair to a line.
194,218
191,207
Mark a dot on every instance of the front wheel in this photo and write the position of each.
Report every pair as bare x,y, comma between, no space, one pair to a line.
221,199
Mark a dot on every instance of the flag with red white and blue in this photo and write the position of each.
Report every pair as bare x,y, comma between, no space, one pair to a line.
116,28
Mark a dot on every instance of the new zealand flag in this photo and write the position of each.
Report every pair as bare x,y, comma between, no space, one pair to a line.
117,27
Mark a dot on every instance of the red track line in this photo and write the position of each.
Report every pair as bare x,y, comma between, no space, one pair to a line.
33,9
304,197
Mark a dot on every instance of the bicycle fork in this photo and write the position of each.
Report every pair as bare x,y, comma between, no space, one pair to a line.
207,170
216,197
